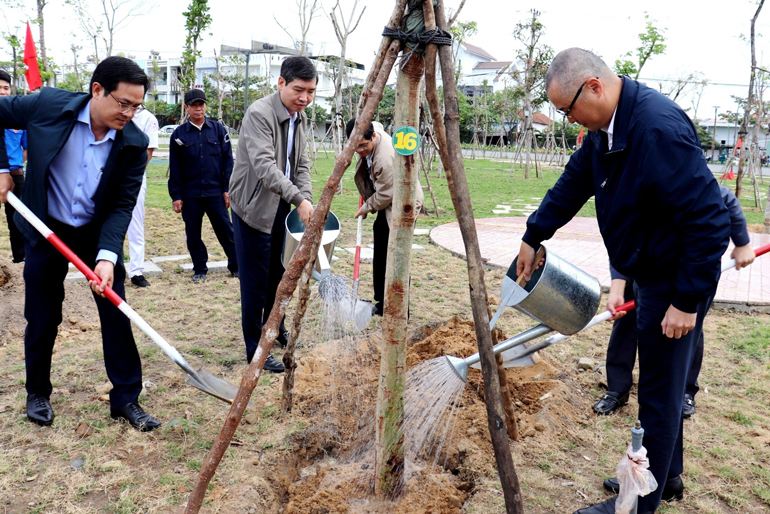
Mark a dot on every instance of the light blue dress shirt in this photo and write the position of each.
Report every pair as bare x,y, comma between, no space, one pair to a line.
75,174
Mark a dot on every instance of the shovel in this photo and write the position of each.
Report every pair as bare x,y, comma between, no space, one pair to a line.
361,310
512,291
201,379
522,356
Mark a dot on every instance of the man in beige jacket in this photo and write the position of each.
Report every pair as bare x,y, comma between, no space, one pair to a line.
271,173
374,180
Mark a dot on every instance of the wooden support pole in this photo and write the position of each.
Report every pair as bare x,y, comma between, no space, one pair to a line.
287,397
451,154
389,458
308,247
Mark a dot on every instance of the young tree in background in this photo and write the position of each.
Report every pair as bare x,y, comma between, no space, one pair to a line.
536,58
102,19
197,21
306,11
651,42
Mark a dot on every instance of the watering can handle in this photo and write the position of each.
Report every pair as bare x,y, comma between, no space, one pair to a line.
538,257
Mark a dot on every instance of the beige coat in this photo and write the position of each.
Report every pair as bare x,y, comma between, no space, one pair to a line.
377,190
258,181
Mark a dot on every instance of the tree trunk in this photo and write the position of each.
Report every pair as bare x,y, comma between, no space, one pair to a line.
49,76
308,248
389,460
289,362
750,101
451,155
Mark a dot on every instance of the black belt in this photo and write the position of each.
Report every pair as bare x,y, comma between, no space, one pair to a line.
17,172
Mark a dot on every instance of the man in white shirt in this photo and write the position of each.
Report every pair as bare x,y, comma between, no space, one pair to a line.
148,124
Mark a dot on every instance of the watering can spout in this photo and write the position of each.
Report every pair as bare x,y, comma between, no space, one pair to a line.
460,366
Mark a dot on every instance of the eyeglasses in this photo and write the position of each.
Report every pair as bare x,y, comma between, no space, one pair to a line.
126,108
577,95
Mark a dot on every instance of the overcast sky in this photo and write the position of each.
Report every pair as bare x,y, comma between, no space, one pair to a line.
702,35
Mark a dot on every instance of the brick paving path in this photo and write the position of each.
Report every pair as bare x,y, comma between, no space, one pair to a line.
580,243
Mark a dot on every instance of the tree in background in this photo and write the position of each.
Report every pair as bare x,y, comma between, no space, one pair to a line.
102,19
744,130
536,58
78,78
460,31
342,30
197,21
45,70
231,86
652,42
306,11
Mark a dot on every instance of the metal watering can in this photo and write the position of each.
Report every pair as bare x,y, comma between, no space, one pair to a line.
559,295
294,231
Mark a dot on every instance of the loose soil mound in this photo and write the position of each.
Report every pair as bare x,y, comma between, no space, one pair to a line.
335,393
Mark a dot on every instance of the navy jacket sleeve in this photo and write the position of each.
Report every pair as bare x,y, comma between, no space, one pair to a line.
738,231
174,168
677,173
227,159
562,202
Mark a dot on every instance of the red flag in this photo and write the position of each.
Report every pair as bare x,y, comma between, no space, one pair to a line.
580,137
728,176
30,59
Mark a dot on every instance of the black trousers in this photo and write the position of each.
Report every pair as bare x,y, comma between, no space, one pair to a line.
381,233
664,366
44,273
17,239
621,353
193,210
260,274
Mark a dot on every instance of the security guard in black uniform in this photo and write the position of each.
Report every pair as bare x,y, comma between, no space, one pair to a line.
201,162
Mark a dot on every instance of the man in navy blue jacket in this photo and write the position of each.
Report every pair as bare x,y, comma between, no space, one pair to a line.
621,351
85,167
200,165
663,222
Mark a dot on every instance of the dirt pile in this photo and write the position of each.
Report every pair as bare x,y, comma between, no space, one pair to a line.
335,394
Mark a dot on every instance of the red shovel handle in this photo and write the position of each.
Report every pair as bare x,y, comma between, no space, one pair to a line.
631,305
81,266
357,261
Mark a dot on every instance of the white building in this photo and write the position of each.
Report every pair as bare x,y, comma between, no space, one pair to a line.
165,72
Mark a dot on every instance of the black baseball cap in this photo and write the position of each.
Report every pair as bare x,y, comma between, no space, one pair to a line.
193,96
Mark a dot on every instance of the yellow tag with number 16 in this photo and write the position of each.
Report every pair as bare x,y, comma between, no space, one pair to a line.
406,140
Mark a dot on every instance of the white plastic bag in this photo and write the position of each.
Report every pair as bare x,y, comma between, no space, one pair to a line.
634,478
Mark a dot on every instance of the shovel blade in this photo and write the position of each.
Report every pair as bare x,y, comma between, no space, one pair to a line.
213,385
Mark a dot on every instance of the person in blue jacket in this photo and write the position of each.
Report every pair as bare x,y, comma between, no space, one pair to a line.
621,352
16,148
85,167
663,223
200,165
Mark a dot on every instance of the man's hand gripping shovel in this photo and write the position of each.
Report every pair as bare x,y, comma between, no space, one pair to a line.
201,379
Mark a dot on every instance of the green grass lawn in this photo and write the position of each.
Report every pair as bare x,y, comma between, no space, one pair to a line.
491,183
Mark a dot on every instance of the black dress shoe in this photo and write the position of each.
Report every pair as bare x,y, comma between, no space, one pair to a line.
272,364
39,410
135,416
610,402
688,409
283,340
672,491
199,278
605,507
377,309
139,281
